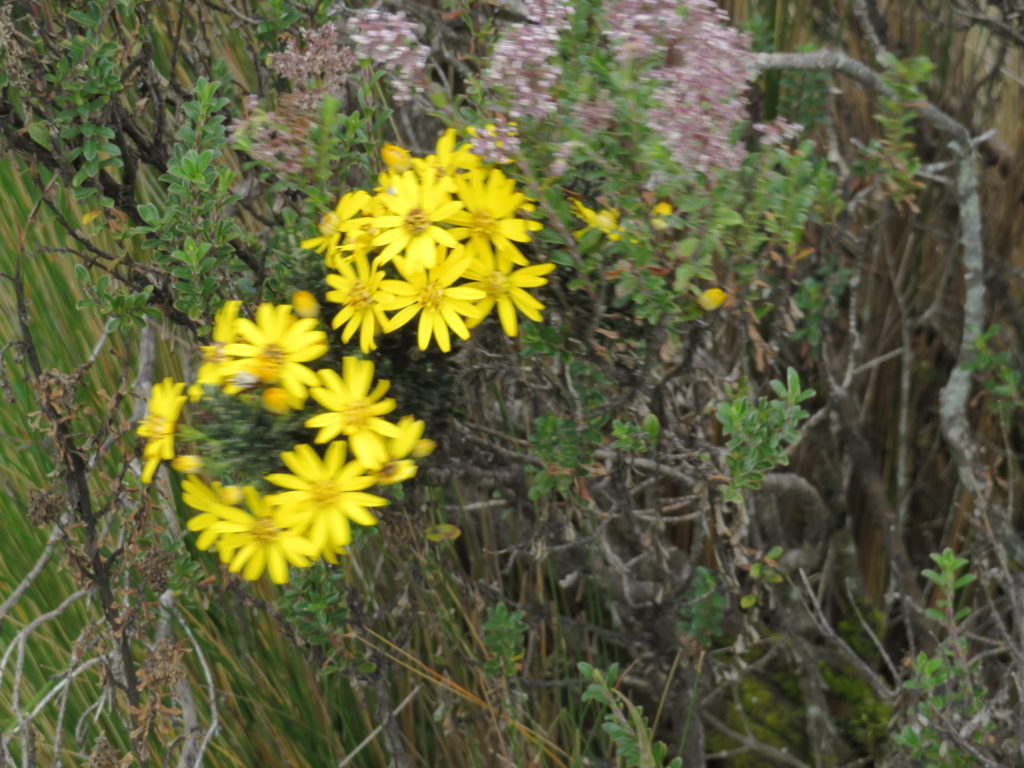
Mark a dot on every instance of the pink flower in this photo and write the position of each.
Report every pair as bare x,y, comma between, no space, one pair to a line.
521,71
389,39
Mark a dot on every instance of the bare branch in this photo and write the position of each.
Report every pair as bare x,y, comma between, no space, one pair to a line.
829,60
32,575
877,684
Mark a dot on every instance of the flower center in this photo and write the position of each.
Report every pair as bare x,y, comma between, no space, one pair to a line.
156,427
329,224
483,222
356,414
416,221
431,296
606,221
264,529
359,296
325,492
268,363
388,471
496,284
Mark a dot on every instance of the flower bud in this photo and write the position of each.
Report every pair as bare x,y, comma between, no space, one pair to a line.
396,158
187,464
711,299
275,400
305,304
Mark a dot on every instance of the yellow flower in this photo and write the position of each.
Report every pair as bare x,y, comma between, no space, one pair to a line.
211,372
273,351
353,410
417,207
260,539
489,219
711,299
360,232
208,500
395,467
446,162
350,205
431,295
504,287
305,304
659,213
358,291
607,220
324,495
396,158
159,424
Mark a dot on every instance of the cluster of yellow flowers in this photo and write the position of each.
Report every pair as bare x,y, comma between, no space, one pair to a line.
309,517
436,220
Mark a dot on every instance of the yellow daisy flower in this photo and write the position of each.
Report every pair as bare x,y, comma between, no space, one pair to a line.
353,409
416,207
208,500
211,372
430,294
358,291
261,539
349,206
324,495
607,220
158,426
361,231
273,351
503,287
447,161
396,467
489,219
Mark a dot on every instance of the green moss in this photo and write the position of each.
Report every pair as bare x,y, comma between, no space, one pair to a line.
772,709
861,716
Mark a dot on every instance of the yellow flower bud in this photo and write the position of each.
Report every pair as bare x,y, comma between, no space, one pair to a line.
305,304
230,494
396,158
711,299
658,214
187,464
275,400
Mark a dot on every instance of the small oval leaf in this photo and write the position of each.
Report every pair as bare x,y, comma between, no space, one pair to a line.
443,532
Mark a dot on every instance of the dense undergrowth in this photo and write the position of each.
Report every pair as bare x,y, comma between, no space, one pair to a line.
597,383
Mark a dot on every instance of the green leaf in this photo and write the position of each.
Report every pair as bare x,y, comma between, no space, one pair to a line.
726,217
40,134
